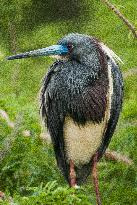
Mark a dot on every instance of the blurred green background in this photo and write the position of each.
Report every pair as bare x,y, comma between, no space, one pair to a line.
27,164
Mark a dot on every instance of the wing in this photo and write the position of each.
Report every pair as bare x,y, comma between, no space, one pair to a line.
117,97
53,120
116,106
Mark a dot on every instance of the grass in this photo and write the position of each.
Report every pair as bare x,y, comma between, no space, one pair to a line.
28,169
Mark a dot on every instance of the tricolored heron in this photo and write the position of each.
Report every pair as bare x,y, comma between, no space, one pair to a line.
81,100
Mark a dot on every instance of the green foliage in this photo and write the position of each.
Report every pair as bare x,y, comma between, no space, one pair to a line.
50,194
28,169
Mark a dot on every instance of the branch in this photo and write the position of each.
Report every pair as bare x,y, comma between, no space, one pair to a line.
130,72
123,18
4,115
13,38
8,143
115,156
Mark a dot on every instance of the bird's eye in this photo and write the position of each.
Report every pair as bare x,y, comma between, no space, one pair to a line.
70,47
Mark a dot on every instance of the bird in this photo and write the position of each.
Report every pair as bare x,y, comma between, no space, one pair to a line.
81,100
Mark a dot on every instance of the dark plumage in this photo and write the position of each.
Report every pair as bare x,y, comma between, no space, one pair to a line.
78,88
82,93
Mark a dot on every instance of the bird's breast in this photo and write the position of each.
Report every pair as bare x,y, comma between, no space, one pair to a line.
82,141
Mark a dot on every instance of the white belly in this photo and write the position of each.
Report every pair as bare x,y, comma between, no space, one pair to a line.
81,142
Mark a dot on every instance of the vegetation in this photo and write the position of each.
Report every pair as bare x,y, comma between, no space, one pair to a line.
28,171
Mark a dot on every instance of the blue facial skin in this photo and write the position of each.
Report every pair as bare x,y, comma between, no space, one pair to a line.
55,50
51,50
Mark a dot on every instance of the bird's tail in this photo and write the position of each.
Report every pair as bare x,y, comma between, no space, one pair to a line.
111,53
83,172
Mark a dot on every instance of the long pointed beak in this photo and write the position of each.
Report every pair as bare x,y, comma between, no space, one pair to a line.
51,50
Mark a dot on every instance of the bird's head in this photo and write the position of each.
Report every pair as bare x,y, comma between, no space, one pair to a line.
73,46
